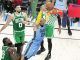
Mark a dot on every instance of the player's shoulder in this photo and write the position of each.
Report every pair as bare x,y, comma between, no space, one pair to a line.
12,14
24,13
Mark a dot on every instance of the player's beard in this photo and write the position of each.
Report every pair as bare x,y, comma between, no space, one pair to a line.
18,11
10,44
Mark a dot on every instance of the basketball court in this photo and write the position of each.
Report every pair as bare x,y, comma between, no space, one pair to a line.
64,47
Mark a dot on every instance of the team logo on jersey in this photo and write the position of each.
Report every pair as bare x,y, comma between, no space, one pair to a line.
19,20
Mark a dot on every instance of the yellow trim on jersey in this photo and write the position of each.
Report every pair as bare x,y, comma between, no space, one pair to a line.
39,17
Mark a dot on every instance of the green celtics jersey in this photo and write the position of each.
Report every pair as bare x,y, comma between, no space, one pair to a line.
49,30
5,54
51,20
17,22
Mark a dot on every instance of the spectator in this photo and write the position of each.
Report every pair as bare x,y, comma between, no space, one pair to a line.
7,4
16,2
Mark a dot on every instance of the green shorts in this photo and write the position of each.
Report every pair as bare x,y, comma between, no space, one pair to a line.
49,31
19,36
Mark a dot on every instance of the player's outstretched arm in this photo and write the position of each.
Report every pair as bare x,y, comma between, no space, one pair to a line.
7,22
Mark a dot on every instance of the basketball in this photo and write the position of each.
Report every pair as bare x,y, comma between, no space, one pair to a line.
49,6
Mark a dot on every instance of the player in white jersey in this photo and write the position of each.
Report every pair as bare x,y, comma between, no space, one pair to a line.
61,4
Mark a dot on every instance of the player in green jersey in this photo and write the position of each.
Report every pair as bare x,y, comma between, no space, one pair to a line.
9,50
19,20
49,30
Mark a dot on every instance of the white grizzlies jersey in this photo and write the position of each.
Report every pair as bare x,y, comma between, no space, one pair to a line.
61,4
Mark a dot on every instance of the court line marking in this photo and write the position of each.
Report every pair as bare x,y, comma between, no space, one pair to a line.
53,37
55,28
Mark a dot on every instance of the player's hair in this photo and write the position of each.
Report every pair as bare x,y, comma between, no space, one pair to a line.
4,40
16,6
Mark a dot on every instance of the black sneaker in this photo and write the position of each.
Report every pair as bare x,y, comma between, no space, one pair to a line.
40,51
25,58
69,32
48,56
76,20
